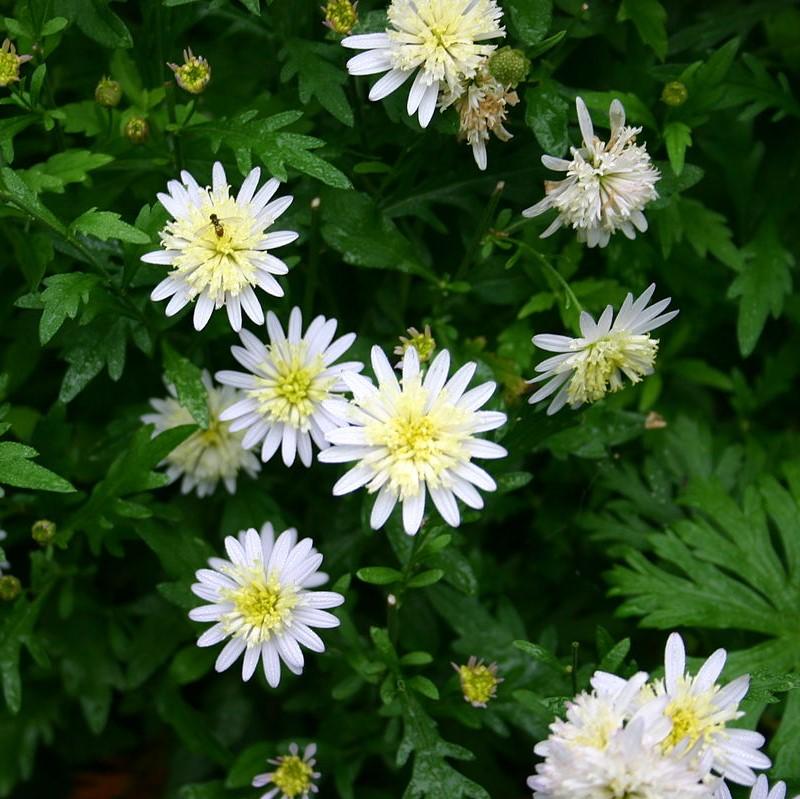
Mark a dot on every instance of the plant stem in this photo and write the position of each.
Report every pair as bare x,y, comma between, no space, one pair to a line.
312,274
550,269
480,230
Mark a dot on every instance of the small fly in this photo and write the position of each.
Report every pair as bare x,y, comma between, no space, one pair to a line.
218,228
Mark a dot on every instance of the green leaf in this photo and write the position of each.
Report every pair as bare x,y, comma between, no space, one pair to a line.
99,22
9,128
546,114
708,231
62,298
250,761
101,344
530,19
188,381
422,685
677,137
71,166
650,19
761,286
105,225
16,469
26,200
379,575
426,578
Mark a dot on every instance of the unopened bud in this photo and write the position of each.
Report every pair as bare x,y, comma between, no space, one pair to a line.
509,66
108,93
10,587
341,16
137,130
674,93
194,74
43,531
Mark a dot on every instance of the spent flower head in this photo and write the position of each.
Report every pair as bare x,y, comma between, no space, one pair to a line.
294,776
478,681
341,16
194,74
10,63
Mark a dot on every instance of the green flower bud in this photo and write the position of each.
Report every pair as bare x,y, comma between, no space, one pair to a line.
341,16
43,531
674,94
194,74
137,130
10,587
509,66
108,93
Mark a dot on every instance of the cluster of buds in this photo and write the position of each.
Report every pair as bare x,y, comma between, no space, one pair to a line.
10,63
194,74
341,16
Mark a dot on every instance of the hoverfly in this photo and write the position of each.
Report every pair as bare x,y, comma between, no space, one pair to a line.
218,228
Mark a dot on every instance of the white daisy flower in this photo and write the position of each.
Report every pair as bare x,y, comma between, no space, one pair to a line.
294,776
608,184
587,368
208,455
442,41
413,437
701,712
260,600
218,248
286,384
761,790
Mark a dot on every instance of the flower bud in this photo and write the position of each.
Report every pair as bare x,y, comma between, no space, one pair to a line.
194,74
10,63
10,587
137,130
43,531
424,343
108,93
674,93
509,66
341,16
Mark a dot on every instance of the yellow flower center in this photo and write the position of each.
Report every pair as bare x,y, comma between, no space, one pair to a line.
599,366
9,68
423,343
341,15
194,75
262,606
691,716
293,776
292,395
478,683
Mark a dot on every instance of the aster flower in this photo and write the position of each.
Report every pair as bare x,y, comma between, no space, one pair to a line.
210,455
10,63
286,384
478,681
608,184
587,368
701,711
482,111
442,41
217,247
413,437
260,600
194,74
294,775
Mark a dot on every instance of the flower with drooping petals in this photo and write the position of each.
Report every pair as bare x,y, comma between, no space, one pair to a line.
587,368
293,776
414,437
608,184
261,600
441,42
285,387
218,248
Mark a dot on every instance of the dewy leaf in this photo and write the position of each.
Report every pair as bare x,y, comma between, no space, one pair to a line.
188,381
707,231
17,469
71,166
677,136
530,18
650,19
761,286
62,298
24,198
106,225
546,115
99,22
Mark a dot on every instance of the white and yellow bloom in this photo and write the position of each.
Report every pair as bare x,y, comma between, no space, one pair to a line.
608,184
260,600
443,41
701,711
218,248
413,437
208,456
587,368
286,384
294,776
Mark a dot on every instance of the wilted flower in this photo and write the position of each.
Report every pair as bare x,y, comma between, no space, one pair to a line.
424,343
341,16
442,42
218,247
414,436
207,456
482,111
108,93
286,385
478,681
608,184
589,367
294,775
260,599
10,63
194,74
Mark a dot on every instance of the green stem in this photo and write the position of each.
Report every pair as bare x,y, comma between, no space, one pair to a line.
550,269
312,274
486,219
575,647
393,608
174,139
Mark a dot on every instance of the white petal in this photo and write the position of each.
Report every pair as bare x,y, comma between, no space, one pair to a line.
230,653
391,81
413,510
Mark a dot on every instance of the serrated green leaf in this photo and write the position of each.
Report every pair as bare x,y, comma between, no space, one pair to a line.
17,469
650,19
188,381
105,225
